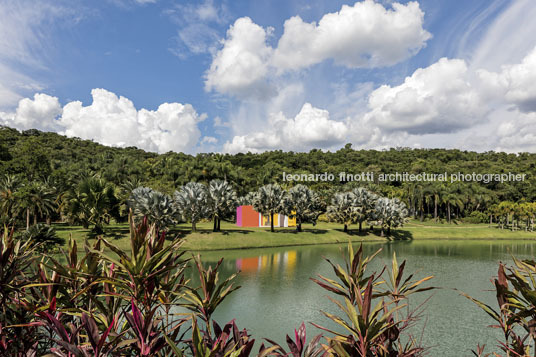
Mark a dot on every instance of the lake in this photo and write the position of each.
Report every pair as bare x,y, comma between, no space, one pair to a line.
277,294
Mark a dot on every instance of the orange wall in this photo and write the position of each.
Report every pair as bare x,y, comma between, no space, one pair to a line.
250,218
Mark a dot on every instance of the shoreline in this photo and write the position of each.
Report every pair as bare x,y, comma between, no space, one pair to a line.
238,238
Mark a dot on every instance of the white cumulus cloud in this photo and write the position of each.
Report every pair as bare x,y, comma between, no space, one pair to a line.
240,67
515,83
435,99
112,120
311,128
363,35
41,113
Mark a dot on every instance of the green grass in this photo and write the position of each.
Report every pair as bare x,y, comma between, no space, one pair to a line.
233,237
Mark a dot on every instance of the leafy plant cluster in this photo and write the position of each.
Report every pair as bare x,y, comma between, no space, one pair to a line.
107,302
515,289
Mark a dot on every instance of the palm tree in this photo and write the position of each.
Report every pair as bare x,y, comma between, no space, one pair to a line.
268,201
191,202
221,201
451,198
157,207
390,213
92,201
506,209
420,199
8,186
435,190
363,205
302,203
36,199
221,166
526,210
340,210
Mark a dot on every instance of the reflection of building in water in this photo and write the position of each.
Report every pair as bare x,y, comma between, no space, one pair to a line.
264,263
248,264
269,263
289,261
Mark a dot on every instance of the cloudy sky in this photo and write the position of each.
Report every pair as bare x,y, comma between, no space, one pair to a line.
251,75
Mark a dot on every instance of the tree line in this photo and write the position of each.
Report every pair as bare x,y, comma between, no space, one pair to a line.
94,202
50,165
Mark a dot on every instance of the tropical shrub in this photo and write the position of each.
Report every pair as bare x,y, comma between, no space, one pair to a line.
17,338
515,290
476,217
43,235
373,320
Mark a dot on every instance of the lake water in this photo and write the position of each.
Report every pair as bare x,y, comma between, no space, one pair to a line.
277,294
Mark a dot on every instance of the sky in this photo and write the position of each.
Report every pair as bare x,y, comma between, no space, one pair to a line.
237,76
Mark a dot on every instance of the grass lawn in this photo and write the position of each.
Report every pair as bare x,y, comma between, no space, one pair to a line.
233,237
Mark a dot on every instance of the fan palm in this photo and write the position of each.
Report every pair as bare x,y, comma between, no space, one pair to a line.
302,203
268,201
390,213
157,207
363,205
340,210
191,202
221,201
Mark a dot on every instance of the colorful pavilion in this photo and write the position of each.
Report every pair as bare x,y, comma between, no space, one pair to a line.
246,216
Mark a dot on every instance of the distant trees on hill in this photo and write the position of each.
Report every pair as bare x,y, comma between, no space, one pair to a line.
48,177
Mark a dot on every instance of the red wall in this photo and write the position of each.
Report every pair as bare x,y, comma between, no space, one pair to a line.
250,218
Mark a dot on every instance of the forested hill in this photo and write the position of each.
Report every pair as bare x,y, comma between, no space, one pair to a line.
44,155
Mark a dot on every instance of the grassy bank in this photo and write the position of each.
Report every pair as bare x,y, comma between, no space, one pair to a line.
233,237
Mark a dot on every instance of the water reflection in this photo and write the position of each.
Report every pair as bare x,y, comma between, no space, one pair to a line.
268,263
277,294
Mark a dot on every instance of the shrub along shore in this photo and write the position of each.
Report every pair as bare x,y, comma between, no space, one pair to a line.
233,237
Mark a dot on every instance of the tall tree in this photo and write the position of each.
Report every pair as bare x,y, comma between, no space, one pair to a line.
363,205
221,201
451,198
268,201
9,184
341,209
191,202
303,204
35,198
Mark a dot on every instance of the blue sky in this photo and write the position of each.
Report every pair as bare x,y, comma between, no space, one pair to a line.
262,75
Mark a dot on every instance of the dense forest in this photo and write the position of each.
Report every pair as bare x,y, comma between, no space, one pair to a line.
61,163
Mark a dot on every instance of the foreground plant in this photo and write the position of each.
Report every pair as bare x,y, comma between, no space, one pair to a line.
16,256
103,301
372,319
515,288
297,347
